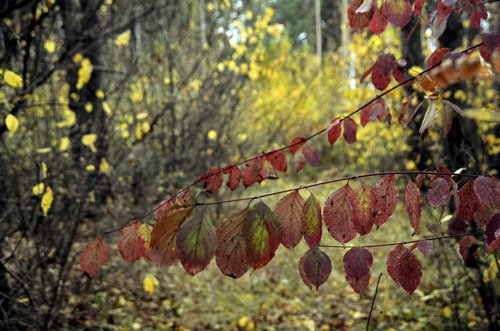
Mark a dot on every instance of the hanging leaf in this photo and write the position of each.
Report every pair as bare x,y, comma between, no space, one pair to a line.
456,226
425,247
494,246
372,112
487,190
163,244
386,199
196,243
492,228
93,255
357,264
381,71
315,267
466,202
296,143
392,258
378,22
350,130
252,173
299,161
289,211
413,208
168,206
234,176
362,202
398,12
408,271
311,155
213,180
359,21
130,244
337,214
437,57
277,160
334,130
468,246
311,221
12,79
262,234
231,253
439,192
12,123
417,7
429,117
490,41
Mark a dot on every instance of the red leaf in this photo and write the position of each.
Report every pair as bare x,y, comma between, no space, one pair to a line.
334,130
234,176
490,42
425,247
386,198
392,259
252,173
447,115
289,211
437,57
362,202
311,155
418,6
357,264
456,226
382,70
277,160
398,12
337,214
130,244
196,243
262,233
468,246
315,267
408,271
168,206
231,254
359,21
296,143
311,221
378,22
492,228
495,245
413,208
350,130
487,190
372,112
299,161
466,202
439,192
163,245
213,180
404,107
93,255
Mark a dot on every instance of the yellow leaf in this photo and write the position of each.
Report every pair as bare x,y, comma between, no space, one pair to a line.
212,134
50,46
47,199
12,123
106,108
38,189
89,107
77,58
44,150
447,312
69,119
90,168
84,73
122,39
44,170
64,144
89,141
12,79
104,166
99,94
150,283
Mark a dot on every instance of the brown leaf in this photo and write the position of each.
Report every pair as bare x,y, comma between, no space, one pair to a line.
289,211
231,254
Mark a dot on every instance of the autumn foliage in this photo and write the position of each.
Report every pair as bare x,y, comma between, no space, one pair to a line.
248,239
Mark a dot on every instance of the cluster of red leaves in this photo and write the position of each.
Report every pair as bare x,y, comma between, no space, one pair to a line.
368,14
249,239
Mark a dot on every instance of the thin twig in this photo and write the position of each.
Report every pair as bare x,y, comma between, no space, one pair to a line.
373,302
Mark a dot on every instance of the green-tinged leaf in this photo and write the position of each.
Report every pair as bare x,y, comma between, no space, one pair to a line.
262,234
311,221
429,117
196,243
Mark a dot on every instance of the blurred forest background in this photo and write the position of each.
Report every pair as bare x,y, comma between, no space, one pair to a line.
107,106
